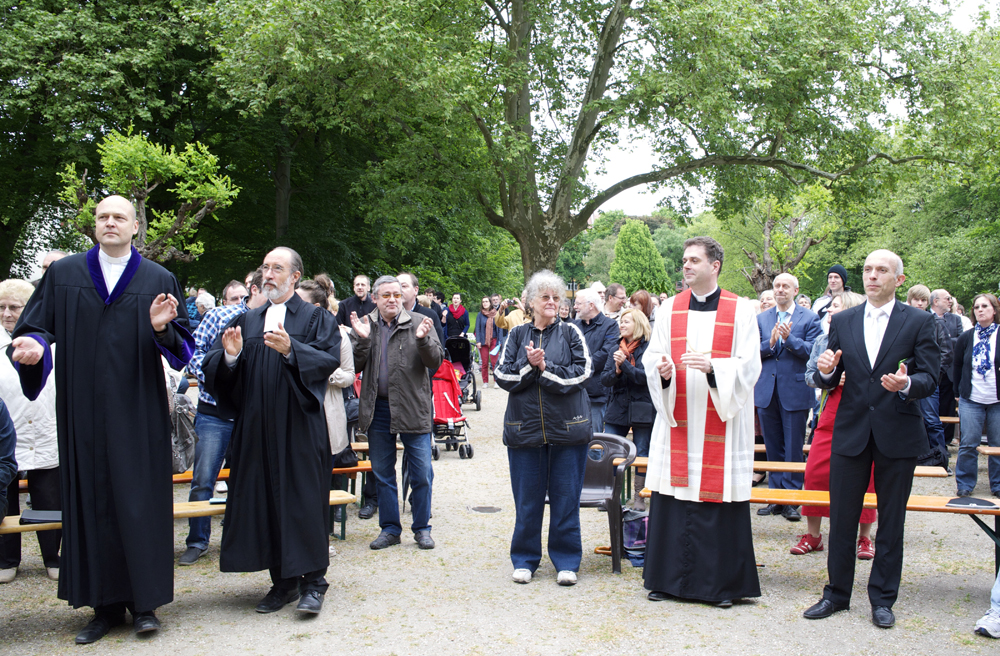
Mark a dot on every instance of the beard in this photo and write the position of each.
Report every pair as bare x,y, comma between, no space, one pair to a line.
276,292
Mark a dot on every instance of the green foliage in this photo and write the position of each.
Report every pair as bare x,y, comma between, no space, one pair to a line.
637,264
600,258
669,242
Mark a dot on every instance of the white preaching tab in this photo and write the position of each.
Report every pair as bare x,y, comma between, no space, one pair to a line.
112,268
274,315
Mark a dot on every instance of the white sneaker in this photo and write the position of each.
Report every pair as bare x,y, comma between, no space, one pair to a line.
566,577
989,624
53,573
521,576
221,487
7,575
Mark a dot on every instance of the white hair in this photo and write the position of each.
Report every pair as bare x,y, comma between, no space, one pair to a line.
882,252
795,281
589,296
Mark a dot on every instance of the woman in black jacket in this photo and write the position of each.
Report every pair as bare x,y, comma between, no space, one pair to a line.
544,365
630,405
976,371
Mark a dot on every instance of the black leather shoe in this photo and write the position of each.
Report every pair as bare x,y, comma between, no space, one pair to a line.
822,610
384,540
191,556
725,603
882,617
311,602
145,622
368,510
98,628
655,595
424,539
791,513
770,509
276,599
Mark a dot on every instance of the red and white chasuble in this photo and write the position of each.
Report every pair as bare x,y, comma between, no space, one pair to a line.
702,450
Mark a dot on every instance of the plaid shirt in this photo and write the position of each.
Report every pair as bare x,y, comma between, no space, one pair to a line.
207,332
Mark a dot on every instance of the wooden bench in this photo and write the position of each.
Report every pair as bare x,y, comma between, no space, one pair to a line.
949,420
760,448
182,510
916,503
989,450
640,464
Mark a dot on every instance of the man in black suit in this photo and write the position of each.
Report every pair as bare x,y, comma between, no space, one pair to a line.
891,359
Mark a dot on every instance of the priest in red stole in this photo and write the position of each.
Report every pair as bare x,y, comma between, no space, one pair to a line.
702,363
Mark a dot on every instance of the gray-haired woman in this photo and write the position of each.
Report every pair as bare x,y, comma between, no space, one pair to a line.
544,365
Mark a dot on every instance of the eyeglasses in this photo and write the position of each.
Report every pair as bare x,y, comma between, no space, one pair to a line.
395,295
12,308
622,298
277,268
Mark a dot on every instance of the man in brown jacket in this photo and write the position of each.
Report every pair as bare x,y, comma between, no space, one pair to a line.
394,349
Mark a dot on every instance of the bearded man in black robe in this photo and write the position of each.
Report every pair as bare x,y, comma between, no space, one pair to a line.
113,313
269,370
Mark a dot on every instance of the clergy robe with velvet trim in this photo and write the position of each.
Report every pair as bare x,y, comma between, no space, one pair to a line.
113,426
279,481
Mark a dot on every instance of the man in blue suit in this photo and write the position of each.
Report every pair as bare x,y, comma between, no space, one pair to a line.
783,400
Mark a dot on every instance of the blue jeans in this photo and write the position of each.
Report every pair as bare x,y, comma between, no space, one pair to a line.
973,417
382,450
558,471
641,435
995,594
930,407
213,440
597,416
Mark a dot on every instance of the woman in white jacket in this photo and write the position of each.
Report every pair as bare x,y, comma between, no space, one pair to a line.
37,450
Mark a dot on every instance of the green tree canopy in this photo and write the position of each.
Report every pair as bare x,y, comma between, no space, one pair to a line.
638,265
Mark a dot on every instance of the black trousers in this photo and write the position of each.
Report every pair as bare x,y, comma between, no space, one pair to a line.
43,486
849,476
308,581
946,401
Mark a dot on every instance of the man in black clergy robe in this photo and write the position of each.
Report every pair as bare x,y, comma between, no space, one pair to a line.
113,313
269,370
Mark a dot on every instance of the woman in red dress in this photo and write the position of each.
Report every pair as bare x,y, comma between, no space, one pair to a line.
818,463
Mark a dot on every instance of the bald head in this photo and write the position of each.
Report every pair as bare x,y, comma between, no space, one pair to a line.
785,287
114,225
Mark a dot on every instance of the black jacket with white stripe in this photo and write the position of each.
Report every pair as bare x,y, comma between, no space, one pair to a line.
551,406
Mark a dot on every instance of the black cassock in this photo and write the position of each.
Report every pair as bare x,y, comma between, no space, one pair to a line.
279,482
113,426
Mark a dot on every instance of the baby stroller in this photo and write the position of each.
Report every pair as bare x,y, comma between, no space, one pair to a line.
460,351
449,423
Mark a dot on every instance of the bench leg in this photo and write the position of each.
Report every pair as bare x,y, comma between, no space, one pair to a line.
992,532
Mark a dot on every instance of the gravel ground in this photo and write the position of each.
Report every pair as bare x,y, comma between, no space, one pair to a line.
459,599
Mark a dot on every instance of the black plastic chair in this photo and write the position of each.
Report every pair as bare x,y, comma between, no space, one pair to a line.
602,485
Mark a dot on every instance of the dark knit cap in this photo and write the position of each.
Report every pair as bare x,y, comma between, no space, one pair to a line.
840,271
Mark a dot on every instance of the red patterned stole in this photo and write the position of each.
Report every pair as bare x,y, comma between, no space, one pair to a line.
714,452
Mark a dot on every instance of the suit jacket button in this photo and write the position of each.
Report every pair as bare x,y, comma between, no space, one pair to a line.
871,380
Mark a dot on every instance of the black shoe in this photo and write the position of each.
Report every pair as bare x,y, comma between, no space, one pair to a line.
882,617
191,556
964,493
791,513
145,622
770,509
754,482
368,510
655,595
822,610
98,628
384,540
423,539
339,514
725,603
311,602
276,599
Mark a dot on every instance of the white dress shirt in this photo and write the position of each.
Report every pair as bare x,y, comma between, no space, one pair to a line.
875,322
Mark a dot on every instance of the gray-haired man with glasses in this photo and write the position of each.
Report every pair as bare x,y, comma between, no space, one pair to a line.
394,349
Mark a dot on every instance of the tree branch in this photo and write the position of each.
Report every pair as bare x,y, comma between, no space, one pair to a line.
499,15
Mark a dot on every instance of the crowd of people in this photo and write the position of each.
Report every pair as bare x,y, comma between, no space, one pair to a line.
282,366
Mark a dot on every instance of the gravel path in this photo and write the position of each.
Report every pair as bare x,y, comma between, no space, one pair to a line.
459,599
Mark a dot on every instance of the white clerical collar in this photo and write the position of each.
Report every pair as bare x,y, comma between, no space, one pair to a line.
104,257
273,315
701,299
